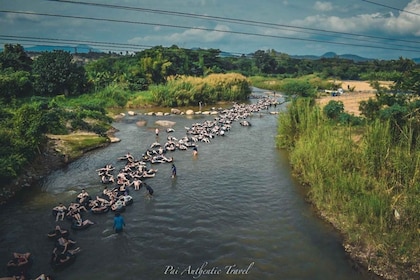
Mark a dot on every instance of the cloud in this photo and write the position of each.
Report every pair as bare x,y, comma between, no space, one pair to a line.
323,6
198,34
386,23
13,18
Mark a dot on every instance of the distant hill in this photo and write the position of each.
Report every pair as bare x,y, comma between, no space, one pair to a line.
71,49
353,57
86,49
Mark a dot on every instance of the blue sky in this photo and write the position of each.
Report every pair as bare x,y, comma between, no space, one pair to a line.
384,29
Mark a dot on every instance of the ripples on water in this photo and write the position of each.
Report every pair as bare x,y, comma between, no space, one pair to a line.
233,205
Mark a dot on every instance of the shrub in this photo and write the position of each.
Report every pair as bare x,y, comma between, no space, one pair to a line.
333,109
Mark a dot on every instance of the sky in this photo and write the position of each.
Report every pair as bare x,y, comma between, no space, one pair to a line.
380,29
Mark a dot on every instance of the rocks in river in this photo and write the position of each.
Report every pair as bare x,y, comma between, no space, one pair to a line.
141,123
175,111
189,112
114,139
165,123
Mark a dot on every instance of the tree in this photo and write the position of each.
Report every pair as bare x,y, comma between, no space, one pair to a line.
14,84
298,88
55,73
265,62
15,57
334,109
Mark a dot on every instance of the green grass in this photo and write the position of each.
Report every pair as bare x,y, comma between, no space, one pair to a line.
75,145
358,184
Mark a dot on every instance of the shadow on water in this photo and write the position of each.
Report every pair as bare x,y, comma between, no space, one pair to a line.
234,206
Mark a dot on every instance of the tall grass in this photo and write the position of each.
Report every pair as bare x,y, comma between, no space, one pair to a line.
187,90
277,83
359,186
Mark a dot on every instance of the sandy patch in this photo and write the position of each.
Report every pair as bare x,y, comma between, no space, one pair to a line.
351,101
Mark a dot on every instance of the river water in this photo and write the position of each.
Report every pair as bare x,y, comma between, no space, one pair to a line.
234,206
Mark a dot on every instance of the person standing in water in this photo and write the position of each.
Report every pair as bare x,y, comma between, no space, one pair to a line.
118,223
157,131
173,170
195,151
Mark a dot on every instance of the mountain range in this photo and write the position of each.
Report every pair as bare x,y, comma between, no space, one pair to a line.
87,49
353,57
71,49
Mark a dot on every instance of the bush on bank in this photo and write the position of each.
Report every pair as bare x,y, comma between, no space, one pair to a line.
362,179
187,90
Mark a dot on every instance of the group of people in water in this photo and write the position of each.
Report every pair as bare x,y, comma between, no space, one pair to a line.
18,267
64,250
133,175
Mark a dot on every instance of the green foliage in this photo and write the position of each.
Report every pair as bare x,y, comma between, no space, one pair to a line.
300,114
381,76
183,91
23,129
11,166
55,73
369,108
14,84
358,184
350,119
334,109
114,96
14,57
29,123
299,88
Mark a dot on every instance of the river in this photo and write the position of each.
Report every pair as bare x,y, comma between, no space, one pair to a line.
234,208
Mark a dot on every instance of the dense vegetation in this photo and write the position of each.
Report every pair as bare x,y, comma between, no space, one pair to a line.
57,93
363,173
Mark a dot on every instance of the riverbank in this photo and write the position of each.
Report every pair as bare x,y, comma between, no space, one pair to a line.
57,152
375,218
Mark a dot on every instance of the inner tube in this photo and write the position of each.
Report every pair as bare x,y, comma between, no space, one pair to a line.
54,235
119,209
22,269
128,199
79,227
56,265
105,210
55,212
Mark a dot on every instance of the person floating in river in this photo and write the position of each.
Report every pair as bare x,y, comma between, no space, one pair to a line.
58,232
19,260
44,276
83,196
60,211
136,183
119,223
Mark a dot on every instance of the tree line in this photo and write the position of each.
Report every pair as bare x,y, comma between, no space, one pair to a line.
52,92
55,73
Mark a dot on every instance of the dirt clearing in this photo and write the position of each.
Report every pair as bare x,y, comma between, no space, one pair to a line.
351,100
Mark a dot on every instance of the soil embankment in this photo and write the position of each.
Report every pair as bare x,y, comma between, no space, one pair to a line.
58,151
